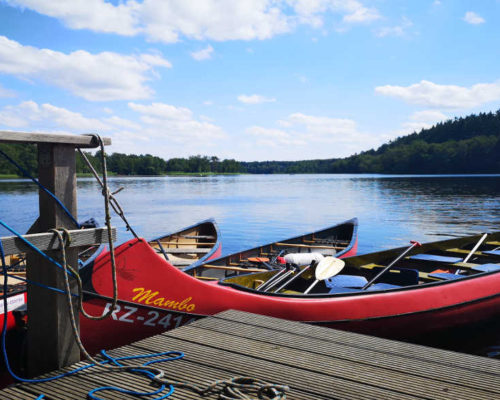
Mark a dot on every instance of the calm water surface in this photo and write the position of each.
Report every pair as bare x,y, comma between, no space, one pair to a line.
256,209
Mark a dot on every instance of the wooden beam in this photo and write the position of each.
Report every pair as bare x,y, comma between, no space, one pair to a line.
48,241
306,246
225,268
82,141
50,341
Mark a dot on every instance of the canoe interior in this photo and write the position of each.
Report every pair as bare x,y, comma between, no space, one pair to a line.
16,266
188,246
332,241
432,263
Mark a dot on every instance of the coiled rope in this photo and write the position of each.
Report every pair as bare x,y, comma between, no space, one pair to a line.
237,388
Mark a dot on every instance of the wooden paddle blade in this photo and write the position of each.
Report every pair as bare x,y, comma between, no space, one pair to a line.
328,267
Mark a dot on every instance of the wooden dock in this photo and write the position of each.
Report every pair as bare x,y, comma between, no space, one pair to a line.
317,363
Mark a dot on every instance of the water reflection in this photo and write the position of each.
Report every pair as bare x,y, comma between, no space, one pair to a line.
252,209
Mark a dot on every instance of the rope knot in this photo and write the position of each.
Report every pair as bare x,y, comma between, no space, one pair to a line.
64,237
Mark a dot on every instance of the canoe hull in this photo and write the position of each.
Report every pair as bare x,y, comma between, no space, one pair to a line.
399,314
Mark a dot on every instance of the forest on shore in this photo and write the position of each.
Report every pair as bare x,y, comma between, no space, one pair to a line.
462,145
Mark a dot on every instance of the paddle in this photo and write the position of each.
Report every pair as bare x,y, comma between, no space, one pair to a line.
326,268
480,241
265,285
413,244
313,264
290,271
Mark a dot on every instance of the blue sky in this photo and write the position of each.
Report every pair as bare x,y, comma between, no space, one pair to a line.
246,79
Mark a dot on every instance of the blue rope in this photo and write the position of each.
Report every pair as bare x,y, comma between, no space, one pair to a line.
27,175
40,285
34,248
175,355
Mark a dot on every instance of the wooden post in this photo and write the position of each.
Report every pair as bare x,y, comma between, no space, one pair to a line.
50,340
51,345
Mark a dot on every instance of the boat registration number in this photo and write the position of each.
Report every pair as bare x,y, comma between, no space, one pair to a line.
131,315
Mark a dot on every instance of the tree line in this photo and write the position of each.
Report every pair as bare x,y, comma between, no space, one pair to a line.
463,145
118,163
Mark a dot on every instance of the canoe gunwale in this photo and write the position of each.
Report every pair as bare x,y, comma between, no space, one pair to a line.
215,246
359,292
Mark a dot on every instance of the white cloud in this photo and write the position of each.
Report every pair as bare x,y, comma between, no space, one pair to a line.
168,20
428,116
398,30
96,15
162,129
361,15
122,123
352,11
96,77
472,18
422,120
175,123
431,94
255,99
203,54
308,136
49,117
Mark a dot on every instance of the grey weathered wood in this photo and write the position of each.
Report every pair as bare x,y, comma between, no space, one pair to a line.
48,241
82,141
339,364
50,341
359,341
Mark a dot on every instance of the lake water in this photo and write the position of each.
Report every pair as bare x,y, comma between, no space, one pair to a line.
257,209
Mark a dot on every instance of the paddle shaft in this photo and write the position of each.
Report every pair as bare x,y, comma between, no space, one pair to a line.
467,258
271,280
475,248
295,277
310,287
404,253
279,280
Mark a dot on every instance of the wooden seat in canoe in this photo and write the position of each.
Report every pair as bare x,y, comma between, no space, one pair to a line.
352,281
492,252
186,250
306,246
209,237
486,267
445,276
435,258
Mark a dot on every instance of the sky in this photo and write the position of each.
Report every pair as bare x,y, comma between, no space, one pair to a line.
252,80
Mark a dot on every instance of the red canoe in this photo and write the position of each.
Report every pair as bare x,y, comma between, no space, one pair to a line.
154,296
430,289
192,245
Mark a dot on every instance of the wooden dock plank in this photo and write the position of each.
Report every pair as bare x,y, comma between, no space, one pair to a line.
360,341
341,365
325,386
307,361
423,368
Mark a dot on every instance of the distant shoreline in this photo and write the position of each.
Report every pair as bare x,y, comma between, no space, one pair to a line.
89,175
206,174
